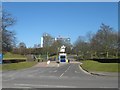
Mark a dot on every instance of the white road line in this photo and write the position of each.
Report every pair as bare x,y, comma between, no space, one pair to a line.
19,73
55,71
11,75
8,79
22,87
84,70
32,85
106,87
61,75
30,76
67,69
33,71
77,72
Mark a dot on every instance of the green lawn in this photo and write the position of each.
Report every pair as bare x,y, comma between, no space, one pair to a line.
0,67
97,66
9,55
17,66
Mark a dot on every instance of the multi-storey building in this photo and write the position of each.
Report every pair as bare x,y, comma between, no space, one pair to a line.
46,40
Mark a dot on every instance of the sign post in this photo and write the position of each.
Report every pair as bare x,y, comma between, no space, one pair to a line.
62,54
1,58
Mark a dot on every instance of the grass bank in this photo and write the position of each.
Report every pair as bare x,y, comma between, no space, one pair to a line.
17,66
0,67
90,65
9,55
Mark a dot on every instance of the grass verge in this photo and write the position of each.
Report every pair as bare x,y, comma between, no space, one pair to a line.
90,65
17,66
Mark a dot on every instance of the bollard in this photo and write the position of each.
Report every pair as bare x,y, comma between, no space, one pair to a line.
48,62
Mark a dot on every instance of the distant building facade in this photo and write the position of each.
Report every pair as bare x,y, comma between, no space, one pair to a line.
63,39
41,44
45,41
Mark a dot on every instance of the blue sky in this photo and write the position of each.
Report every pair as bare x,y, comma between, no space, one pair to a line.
65,19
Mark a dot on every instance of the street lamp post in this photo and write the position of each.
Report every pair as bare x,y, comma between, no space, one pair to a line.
47,55
107,54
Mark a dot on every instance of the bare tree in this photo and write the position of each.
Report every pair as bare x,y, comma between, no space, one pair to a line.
82,47
105,40
0,29
0,41
103,44
22,48
8,37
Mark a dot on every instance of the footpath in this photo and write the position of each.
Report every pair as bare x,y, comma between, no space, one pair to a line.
112,74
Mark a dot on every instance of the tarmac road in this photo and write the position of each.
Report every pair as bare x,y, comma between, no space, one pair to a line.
65,76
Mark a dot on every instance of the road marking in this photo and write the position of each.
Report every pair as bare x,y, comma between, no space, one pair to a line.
30,76
58,65
13,74
55,71
77,72
8,79
106,87
33,71
61,75
32,85
83,70
22,87
67,69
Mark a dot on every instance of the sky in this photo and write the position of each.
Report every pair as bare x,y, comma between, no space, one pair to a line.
67,19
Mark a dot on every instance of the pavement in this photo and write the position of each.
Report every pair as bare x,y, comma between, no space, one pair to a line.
53,76
52,64
111,74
